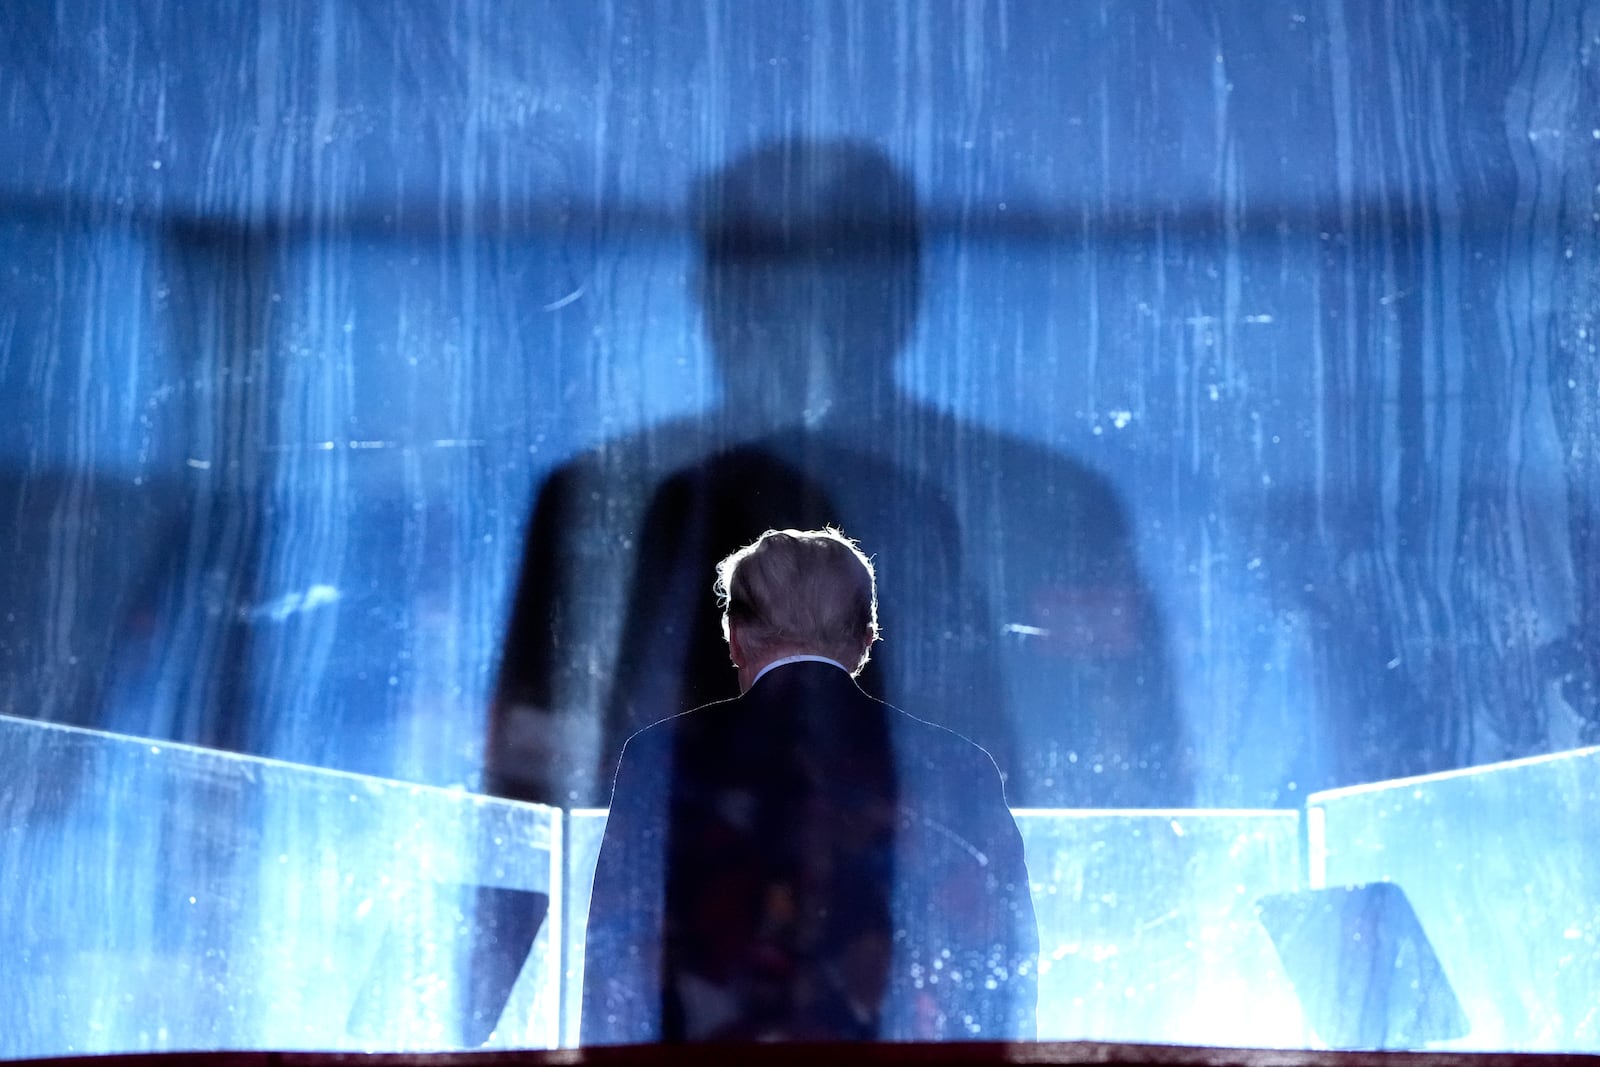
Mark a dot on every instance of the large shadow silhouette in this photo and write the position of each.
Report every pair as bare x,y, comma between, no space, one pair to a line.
1012,606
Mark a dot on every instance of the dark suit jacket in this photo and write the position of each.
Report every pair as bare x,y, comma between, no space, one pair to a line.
807,863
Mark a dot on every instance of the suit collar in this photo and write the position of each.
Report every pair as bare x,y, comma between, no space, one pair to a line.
785,661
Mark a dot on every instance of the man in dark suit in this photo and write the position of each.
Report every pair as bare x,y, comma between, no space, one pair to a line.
804,862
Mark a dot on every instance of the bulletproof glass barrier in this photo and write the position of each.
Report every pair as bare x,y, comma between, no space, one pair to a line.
1501,865
1147,927
166,897
163,897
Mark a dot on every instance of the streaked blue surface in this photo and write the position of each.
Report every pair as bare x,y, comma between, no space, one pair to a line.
295,323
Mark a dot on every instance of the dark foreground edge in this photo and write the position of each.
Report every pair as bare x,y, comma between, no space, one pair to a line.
843,1055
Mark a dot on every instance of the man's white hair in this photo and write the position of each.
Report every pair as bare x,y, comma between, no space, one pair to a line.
801,592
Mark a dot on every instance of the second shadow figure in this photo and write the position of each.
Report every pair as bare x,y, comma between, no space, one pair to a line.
1014,613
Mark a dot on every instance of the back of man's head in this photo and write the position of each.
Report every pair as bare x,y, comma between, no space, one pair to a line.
801,592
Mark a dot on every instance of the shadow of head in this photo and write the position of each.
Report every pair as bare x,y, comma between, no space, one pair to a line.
809,274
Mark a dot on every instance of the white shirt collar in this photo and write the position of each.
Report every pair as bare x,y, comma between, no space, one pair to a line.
797,659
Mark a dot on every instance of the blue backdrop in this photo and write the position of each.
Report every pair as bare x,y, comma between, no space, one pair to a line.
1290,309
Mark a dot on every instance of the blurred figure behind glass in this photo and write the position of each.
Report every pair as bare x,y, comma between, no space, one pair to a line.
1019,616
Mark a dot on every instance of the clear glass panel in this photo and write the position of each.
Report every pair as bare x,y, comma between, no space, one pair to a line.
585,828
1148,930
164,897
1147,923
1501,865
